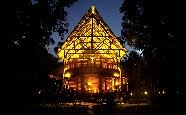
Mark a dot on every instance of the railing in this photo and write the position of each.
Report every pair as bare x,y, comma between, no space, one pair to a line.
87,63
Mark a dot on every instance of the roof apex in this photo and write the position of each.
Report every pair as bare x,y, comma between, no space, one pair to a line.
92,9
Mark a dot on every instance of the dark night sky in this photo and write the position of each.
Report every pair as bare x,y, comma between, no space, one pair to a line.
108,9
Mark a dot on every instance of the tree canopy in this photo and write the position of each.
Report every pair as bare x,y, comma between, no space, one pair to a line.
27,29
154,27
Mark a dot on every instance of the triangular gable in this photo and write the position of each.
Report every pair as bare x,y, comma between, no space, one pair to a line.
91,36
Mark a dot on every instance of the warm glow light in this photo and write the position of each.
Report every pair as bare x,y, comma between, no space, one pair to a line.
95,90
116,74
163,92
119,71
131,94
116,83
93,9
51,76
92,59
113,84
67,75
145,93
89,83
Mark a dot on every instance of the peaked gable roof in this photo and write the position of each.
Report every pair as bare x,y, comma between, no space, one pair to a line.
91,33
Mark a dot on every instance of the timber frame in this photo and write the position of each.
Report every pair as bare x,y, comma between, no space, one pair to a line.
91,48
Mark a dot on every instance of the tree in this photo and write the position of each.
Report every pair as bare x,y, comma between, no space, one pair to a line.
28,26
132,66
153,26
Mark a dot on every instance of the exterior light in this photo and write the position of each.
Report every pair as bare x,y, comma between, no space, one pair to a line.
159,92
67,74
51,76
89,83
145,93
116,74
94,90
163,92
39,92
131,94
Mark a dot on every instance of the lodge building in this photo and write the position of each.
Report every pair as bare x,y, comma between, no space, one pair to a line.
91,57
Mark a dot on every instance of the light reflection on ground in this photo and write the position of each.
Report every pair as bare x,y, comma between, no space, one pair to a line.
89,104
89,108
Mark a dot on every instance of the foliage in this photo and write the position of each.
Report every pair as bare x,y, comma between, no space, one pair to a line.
153,26
27,30
131,67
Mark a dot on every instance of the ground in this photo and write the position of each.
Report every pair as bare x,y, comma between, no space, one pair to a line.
86,108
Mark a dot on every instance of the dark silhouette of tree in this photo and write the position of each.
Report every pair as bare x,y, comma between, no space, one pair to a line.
154,27
131,66
27,30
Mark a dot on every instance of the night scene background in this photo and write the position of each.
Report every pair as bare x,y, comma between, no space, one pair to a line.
150,30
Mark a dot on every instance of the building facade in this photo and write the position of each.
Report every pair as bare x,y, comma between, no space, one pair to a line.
91,56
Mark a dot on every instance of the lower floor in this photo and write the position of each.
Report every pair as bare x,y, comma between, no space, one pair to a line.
96,83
